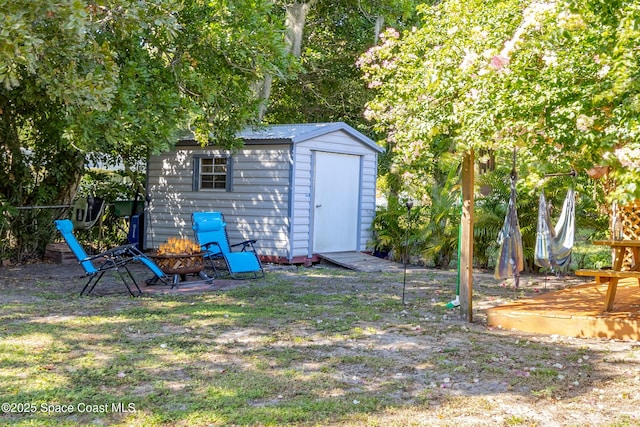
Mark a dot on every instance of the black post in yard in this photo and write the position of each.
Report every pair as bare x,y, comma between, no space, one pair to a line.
409,205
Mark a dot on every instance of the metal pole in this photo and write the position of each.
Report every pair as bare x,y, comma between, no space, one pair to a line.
573,173
44,207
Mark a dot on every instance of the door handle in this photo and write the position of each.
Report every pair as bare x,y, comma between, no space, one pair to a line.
318,206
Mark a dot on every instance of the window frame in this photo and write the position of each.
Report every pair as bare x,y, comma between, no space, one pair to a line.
197,172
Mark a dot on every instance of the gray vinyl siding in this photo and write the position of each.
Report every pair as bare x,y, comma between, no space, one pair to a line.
256,208
368,198
271,187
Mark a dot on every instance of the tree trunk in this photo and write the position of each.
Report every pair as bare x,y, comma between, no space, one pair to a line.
378,29
13,172
264,92
295,18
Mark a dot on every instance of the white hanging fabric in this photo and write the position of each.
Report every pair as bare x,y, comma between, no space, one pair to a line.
554,244
510,256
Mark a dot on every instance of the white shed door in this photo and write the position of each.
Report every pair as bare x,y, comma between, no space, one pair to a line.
336,202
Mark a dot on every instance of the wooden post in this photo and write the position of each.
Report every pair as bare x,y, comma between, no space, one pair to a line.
466,238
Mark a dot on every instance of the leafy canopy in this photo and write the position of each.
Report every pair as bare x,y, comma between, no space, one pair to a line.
120,77
127,73
556,79
329,86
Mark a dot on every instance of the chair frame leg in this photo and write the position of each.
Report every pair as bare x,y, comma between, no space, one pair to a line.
132,280
88,287
212,265
95,278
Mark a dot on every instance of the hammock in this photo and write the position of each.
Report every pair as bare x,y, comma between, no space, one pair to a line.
554,244
510,257
86,212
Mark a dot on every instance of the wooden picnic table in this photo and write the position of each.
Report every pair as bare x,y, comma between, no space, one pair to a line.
613,275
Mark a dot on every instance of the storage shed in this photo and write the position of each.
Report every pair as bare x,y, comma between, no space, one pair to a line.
299,189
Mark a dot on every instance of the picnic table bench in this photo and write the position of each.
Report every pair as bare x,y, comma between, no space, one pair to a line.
616,273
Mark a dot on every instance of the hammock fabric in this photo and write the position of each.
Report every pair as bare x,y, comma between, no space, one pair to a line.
555,244
510,257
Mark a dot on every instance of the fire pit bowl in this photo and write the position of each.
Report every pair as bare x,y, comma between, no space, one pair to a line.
179,257
180,264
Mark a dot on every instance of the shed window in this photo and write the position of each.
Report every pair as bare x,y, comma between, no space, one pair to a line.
212,173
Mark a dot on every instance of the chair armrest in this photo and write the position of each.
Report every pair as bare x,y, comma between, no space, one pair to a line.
245,244
209,244
206,245
129,249
118,251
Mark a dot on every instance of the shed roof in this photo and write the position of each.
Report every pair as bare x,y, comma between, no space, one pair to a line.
295,133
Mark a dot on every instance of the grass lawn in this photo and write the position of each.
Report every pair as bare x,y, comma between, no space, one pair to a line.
312,346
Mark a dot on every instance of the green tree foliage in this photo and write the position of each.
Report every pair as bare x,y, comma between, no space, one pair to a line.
557,79
329,86
134,71
119,78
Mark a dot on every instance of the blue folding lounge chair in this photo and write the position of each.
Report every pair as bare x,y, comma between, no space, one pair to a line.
211,233
116,259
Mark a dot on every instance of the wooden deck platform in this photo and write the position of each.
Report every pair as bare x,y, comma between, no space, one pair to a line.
360,261
577,311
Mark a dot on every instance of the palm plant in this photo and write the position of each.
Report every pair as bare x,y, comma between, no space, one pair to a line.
490,211
393,231
439,231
